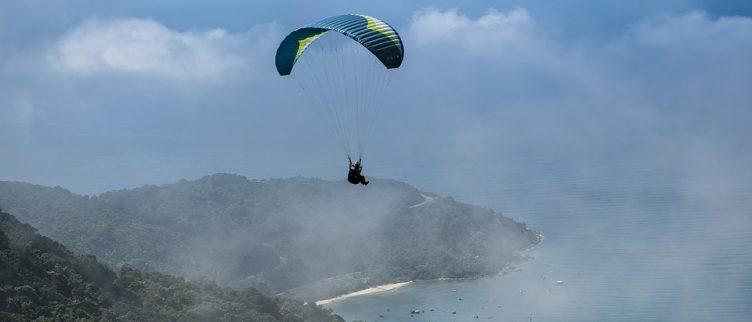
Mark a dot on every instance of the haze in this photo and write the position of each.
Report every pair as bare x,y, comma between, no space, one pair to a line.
537,109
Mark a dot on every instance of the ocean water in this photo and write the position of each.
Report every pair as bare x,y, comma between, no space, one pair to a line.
639,227
629,241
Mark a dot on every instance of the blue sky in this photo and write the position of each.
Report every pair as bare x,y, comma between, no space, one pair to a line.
105,95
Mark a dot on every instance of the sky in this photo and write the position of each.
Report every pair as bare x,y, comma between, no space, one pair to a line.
110,95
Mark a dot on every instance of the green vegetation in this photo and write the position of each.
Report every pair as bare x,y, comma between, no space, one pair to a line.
308,238
41,280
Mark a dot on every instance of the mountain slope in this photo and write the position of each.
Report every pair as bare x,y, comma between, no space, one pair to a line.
41,279
276,235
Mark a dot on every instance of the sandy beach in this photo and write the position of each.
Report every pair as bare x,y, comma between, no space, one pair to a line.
372,290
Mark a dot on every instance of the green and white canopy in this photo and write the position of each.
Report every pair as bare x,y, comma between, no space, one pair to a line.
374,34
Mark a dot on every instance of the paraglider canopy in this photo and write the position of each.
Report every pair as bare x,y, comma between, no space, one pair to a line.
343,74
374,34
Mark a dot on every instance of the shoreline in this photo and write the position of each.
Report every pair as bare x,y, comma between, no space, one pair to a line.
368,291
541,238
393,286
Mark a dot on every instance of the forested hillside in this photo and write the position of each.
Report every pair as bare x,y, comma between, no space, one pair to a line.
41,280
277,235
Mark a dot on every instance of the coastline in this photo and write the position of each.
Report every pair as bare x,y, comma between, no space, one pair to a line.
368,291
393,286
539,242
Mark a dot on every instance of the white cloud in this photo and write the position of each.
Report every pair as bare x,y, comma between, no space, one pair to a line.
694,27
146,47
688,60
685,58
667,77
495,29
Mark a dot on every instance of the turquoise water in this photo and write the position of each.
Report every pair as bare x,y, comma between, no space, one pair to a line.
629,242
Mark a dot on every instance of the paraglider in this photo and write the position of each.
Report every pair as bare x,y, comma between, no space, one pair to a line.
354,176
344,75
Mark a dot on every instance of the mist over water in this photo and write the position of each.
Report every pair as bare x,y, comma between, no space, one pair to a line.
634,237
619,131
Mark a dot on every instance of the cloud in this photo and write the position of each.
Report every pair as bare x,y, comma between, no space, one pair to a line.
669,30
146,47
99,67
692,67
688,58
494,30
501,80
694,40
484,62
502,77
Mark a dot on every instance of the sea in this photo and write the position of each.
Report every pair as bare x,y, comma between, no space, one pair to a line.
626,239
642,228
